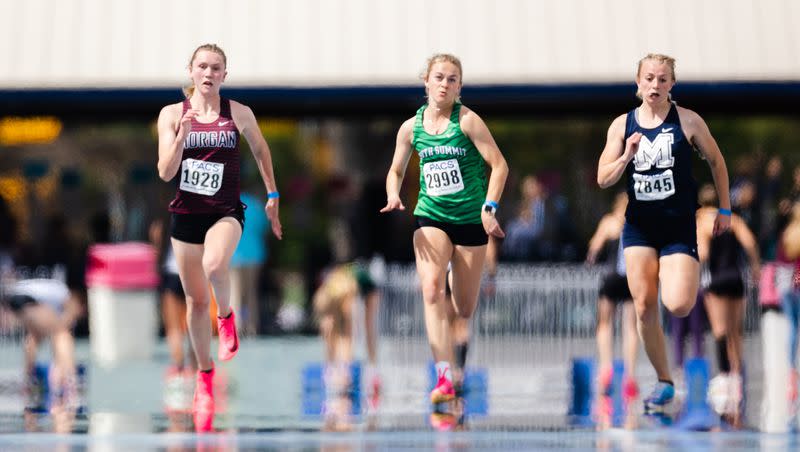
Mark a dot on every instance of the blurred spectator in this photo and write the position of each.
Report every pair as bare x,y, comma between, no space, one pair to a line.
8,234
334,307
173,299
794,191
768,194
612,293
60,257
8,237
246,264
724,296
743,200
100,227
789,251
534,234
336,244
44,291
743,189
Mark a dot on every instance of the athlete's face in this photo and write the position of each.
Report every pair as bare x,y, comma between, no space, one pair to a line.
655,81
443,84
208,71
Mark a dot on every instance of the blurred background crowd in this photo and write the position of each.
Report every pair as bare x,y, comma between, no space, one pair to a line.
59,197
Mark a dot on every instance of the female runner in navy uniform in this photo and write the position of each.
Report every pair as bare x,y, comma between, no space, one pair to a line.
653,144
198,140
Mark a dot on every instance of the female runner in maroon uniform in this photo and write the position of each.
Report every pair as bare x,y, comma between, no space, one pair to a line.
198,140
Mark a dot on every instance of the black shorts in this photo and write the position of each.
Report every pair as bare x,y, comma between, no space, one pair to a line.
192,227
615,288
172,282
727,284
459,234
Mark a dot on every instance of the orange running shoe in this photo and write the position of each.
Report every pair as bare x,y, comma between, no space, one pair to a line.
443,392
203,403
228,339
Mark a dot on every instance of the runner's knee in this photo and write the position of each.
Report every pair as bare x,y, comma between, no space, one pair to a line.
432,290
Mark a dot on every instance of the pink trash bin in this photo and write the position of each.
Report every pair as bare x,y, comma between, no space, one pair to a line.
123,319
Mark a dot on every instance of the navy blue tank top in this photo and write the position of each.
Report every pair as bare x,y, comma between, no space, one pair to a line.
208,179
660,181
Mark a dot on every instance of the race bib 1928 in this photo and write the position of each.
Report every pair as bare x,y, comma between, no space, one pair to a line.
203,178
653,187
442,177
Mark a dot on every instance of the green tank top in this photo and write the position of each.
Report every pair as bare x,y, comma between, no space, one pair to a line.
452,173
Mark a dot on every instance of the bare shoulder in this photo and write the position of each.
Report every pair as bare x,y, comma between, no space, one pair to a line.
240,109
243,116
170,116
171,111
406,130
690,120
467,117
472,125
618,124
466,112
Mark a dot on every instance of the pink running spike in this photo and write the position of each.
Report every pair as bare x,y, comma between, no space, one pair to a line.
228,338
203,404
443,392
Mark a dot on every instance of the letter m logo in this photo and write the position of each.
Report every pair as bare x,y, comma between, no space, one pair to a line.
657,152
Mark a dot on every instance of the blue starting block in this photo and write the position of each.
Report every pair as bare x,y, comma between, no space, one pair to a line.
584,378
583,371
314,390
696,413
40,397
474,391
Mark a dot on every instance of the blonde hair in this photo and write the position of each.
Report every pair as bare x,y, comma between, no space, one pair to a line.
659,58
442,58
188,90
335,295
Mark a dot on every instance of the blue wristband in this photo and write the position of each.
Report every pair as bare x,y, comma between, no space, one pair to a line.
724,212
490,207
273,195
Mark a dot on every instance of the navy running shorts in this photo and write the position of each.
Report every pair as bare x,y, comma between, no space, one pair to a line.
667,235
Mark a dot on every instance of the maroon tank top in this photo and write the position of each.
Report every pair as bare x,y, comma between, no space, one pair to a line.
208,178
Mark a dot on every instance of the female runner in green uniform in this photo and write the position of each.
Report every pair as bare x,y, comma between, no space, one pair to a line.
455,211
